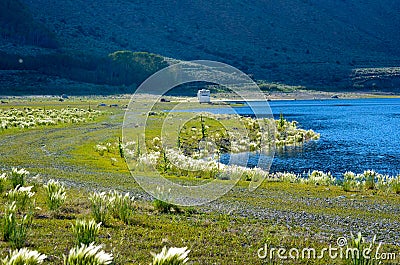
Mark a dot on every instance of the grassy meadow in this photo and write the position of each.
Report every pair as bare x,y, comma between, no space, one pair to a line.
230,230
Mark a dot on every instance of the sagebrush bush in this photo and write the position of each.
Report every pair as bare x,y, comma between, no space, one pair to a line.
18,177
22,196
55,194
24,256
86,231
172,256
100,204
88,255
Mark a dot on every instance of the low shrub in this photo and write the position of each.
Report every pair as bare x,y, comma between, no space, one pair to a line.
9,221
396,184
163,207
284,177
383,183
19,235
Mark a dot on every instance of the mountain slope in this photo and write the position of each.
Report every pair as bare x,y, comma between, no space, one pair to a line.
302,42
18,26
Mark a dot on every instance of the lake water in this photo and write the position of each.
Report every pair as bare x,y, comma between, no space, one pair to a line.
356,135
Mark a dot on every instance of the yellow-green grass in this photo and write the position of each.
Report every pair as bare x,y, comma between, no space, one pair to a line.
215,236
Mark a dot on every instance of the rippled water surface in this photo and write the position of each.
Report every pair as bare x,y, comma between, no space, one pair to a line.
356,135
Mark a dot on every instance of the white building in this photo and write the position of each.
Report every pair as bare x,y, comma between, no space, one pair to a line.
204,96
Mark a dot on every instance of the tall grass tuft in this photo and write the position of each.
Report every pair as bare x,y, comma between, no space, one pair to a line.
383,183
18,176
3,181
320,178
24,256
20,232
369,179
284,177
172,256
100,204
396,184
88,255
9,221
55,194
14,230
86,231
22,196
122,206
363,251
161,204
351,181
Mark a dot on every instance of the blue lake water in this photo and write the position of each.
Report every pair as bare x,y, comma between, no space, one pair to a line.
356,135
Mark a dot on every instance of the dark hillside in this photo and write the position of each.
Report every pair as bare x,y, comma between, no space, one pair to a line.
18,26
317,44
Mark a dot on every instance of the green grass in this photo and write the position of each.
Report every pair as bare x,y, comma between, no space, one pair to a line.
213,236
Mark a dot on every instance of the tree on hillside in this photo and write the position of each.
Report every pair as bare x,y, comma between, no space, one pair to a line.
134,67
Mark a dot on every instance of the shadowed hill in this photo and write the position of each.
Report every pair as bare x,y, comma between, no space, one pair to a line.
300,42
18,26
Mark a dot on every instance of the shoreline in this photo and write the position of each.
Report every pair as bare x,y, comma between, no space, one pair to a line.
223,97
314,95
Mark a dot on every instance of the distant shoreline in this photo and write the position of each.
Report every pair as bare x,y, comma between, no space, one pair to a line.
316,95
220,97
